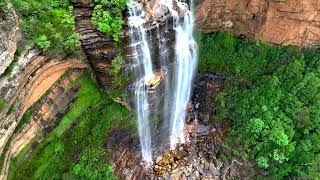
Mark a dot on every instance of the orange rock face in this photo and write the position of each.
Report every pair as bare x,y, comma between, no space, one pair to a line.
276,21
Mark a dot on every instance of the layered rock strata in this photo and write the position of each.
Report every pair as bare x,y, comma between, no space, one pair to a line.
50,109
276,21
39,75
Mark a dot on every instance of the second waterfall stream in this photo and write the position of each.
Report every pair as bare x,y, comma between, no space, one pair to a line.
182,67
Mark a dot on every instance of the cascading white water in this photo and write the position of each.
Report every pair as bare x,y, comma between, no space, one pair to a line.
177,84
144,71
186,62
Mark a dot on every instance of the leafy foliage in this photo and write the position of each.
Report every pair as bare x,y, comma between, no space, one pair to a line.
50,24
119,78
273,99
2,104
223,53
76,153
25,118
43,42
107,16
2,4
9,69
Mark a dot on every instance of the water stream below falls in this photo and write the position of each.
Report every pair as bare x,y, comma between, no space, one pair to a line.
176,84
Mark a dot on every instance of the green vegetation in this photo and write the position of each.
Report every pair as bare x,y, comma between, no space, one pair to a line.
107,16
88,96
25,118
2,104
13,106
9,69
50,24
76,153
119,78
2,4
273,99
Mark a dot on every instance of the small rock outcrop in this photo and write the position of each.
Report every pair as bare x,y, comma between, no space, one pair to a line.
276,21
205,87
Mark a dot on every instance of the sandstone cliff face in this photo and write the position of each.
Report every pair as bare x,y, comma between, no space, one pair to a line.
9,35
101,49
276,21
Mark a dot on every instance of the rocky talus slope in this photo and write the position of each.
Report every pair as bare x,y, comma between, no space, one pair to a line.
196,159
277,21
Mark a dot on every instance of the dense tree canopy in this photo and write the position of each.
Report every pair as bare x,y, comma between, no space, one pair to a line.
273,99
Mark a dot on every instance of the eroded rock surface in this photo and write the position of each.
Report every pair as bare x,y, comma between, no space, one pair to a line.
205,87
277,21
43,73
47,112
9,35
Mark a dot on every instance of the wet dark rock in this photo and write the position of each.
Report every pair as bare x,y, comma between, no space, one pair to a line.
205,87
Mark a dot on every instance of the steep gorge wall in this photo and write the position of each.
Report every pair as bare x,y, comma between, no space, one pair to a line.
101,49
276,21
281,22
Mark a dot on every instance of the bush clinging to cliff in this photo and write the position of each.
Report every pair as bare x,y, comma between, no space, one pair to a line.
2,103
107,16
50,24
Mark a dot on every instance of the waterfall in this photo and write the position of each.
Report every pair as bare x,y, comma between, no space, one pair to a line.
177,84
185,66
144,71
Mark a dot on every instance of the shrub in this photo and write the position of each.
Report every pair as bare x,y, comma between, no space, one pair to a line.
107,16
2,4
50,24
119,77
2,104
43,42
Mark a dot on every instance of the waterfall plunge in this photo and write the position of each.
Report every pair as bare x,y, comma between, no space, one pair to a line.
141,47
185,63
